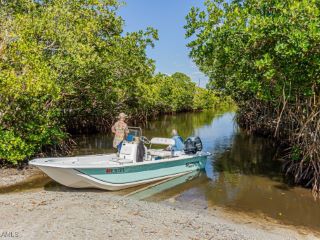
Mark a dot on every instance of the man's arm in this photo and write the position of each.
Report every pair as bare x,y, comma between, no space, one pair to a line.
113,128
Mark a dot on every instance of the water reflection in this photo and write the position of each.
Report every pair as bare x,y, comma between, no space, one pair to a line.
187,124
243,173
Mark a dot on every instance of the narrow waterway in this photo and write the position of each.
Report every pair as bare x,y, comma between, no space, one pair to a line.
243,174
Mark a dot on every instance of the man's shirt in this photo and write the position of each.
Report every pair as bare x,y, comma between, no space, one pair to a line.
178,145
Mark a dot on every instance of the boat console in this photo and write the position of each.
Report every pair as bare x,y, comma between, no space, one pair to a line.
134,149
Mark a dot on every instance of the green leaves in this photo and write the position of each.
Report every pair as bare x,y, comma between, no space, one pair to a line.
13,148
175,93
270,44
64,64
266,55
67,66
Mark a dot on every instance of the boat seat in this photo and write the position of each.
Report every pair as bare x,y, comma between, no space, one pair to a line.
124,161
159,152
162,141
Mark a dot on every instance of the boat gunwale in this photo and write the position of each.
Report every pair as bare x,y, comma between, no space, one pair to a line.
108,165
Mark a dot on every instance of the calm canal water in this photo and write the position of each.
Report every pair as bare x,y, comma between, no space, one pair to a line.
243,173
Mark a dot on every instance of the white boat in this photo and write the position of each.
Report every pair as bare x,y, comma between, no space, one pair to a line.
135,165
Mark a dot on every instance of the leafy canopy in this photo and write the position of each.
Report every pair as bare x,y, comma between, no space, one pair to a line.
67,66
258,49
61,60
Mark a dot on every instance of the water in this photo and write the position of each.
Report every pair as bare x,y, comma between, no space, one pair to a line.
243,174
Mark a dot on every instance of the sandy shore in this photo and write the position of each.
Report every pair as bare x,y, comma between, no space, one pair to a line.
103,215
11,176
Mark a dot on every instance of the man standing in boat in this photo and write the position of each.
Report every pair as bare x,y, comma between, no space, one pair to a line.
120,130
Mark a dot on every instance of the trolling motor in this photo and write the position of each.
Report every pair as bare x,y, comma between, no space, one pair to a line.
192,145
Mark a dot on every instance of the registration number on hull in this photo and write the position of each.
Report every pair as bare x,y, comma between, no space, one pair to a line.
114,170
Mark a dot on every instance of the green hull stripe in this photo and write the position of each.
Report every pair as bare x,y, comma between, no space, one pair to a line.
130,182
131,174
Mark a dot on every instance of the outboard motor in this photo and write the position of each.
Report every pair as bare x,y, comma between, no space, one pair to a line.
192,145
141,152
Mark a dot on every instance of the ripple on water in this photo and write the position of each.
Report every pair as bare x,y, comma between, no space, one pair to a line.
243,174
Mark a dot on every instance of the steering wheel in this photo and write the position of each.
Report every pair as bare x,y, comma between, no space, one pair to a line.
145,140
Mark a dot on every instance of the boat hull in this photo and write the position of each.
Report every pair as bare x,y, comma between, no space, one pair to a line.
120,177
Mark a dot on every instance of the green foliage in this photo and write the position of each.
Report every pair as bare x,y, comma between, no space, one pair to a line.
61,60
175,93
258,49
207,99
266,54
13,148
67,66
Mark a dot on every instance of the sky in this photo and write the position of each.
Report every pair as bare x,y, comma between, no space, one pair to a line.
168,17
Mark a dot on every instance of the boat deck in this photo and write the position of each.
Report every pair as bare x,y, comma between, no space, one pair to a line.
103,160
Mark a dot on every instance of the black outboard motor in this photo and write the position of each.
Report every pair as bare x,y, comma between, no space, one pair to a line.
192,145
140,152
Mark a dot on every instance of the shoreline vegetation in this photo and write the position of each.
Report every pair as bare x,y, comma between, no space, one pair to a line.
67,67
266,55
